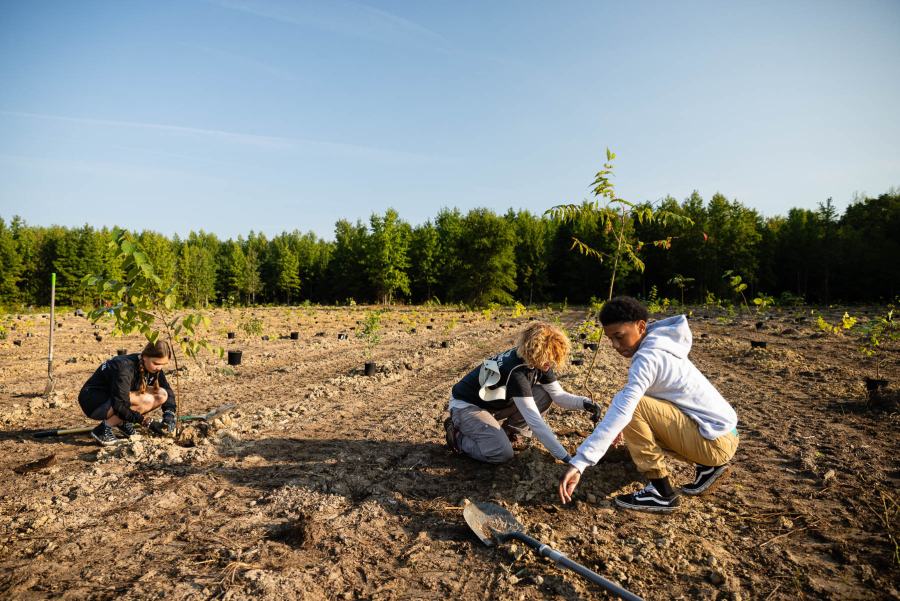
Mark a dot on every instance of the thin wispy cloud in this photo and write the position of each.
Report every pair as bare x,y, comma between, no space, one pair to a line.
345,18
273,143
145,150
104,169
246,61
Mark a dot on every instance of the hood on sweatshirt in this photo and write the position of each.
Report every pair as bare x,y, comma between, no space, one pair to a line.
672,335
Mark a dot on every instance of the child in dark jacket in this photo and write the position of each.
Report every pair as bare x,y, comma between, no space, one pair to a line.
118,393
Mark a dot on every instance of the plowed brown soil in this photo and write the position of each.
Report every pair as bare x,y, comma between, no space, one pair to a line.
326,484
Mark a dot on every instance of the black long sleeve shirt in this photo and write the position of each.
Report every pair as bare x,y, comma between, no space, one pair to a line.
120,376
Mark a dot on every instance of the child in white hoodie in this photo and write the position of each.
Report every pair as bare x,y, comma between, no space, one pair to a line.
667,408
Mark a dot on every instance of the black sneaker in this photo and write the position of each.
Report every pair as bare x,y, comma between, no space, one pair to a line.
450,435
708,479
649,500
104,434
127,429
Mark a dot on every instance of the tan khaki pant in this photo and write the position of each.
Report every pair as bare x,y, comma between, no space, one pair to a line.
659,428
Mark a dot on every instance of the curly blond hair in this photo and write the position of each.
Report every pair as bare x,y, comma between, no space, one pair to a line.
541,343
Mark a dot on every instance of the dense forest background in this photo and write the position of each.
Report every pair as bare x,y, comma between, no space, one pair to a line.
481,256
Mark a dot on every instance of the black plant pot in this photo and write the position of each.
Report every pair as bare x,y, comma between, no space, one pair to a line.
184,339
28,334
704,335
582,336
234,357
412,331
592,346
342,337
873,384
531,319
432,319
757,344
429,327
585,345
121,352
444,344
577,361
230,335
370,369
295,335
266,337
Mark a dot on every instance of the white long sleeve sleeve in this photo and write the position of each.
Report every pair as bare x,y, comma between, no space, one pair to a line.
564,399
528,408
621,410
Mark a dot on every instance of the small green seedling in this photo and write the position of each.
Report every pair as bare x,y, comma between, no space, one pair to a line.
368,331
875,332
738,286
681,281
762,301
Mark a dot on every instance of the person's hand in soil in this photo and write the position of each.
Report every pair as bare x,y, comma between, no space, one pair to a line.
593,408
619,441
168,421
568,483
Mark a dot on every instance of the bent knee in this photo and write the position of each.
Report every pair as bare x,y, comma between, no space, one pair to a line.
162,396
504,454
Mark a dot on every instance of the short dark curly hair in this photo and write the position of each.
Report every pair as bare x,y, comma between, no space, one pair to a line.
623,309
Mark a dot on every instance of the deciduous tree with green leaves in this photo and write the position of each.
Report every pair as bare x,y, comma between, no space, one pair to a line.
614,214
387,255
148,306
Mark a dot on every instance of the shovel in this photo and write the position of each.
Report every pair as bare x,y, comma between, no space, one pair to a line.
52,383
487,519
207,417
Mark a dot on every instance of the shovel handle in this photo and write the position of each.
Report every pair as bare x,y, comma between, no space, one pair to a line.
579,569
46,433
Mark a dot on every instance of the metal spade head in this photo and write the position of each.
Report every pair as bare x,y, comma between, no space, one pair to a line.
219,411
484,517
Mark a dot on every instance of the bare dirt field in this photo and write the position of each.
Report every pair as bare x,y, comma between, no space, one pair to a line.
327,484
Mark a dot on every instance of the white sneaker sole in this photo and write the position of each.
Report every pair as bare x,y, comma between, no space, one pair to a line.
718,477
647,508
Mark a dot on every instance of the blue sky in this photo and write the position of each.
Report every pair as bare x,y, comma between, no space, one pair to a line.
272,115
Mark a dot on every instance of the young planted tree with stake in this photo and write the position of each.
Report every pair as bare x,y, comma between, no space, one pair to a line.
146,305
615,214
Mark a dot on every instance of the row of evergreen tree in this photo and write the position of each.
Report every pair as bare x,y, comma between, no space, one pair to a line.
481,256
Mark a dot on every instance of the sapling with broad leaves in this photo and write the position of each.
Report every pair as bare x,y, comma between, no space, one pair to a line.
875,332
143,302
762,302
369,330
738,286
681,281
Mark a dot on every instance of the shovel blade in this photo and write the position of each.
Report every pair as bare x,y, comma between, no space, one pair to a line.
221,410
481,517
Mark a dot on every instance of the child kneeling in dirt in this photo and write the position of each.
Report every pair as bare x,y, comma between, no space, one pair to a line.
506,397
117,393
667,408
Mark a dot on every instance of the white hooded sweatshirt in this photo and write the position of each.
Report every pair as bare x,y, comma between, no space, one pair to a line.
660,369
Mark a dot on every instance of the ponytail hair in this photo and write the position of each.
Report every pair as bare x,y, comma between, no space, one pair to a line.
160,350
